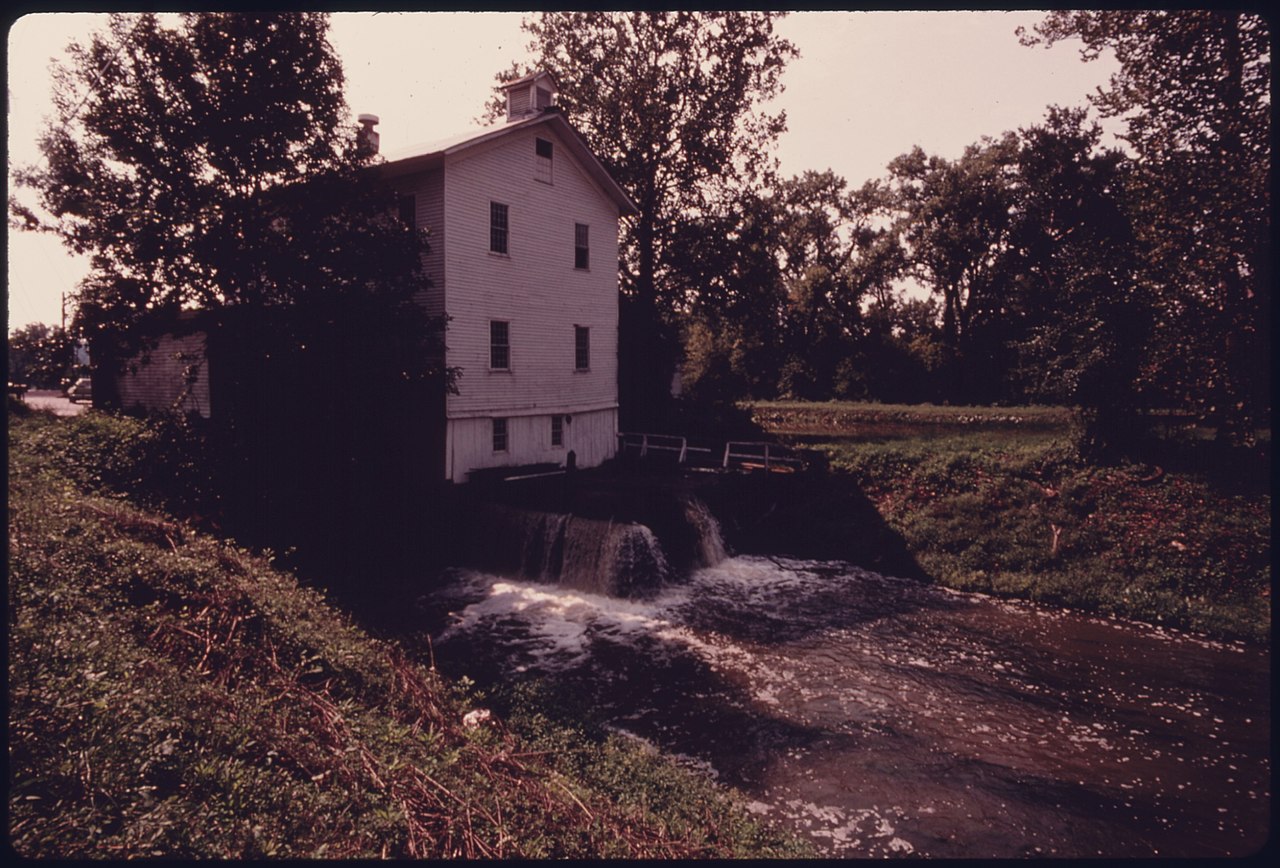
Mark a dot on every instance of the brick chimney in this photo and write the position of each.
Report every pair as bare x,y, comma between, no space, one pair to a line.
367,136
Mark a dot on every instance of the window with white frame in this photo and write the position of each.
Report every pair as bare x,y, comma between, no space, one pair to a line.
581,347
499,345
581,246
498,227
543,150
499,435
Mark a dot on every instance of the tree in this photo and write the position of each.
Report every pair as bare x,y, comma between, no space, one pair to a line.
730,282
208,163
952,219
41,356
1194,89
776,281
669,102
1079,318
817,246
899,358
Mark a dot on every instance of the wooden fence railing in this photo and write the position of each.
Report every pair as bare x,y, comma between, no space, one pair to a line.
737,454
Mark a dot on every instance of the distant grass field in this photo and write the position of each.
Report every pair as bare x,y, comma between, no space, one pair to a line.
843,411
998,500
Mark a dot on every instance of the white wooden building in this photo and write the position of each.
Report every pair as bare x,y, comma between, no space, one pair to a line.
524,262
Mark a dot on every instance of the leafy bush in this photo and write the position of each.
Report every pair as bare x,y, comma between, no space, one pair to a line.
986,504
161,461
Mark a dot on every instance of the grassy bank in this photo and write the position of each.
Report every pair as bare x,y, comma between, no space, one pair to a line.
171,694
997,500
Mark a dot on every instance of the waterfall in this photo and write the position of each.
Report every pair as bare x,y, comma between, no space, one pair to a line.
612,558
619,559
615,558
543,546
710,548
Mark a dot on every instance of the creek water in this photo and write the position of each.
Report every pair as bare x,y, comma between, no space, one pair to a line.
888,717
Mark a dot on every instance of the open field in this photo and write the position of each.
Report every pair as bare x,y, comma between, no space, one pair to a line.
997,500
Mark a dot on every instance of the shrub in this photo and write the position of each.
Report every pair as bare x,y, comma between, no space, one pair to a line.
171,695
992,506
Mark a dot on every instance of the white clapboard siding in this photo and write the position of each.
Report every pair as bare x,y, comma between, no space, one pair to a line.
427,189
536,289
591,435
174,377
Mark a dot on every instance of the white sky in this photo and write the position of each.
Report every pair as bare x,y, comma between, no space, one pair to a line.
867,87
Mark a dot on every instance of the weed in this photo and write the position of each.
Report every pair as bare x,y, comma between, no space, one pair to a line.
987,503
172,695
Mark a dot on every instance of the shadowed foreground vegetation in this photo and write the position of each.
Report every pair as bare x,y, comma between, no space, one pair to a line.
998,500
172,694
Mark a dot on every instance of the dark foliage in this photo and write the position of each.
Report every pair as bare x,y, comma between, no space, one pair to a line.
42,356
211,172
1194,88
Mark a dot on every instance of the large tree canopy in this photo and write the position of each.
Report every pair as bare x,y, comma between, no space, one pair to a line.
41,356
1076,313
776,285
207,161
1194,89
670,101
952,219
207,165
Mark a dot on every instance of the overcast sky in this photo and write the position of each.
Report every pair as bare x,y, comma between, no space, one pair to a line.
867,87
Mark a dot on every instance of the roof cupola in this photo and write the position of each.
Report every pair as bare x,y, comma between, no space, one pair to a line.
530,95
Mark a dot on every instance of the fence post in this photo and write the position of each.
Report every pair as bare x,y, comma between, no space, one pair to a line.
727,446
644,445
684,448
766,457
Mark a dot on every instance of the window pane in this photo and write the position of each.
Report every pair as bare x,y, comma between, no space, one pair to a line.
581,246
499,435
542,164
557,430
581,347
499,345
497,227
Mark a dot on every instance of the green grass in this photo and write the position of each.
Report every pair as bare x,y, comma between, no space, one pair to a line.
841,416
986,504
172,694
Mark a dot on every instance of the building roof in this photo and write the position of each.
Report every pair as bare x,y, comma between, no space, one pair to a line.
533,76
430,155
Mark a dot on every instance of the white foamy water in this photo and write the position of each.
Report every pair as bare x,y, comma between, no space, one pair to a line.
885,717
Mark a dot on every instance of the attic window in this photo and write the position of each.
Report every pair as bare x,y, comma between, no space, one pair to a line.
542,98
543,151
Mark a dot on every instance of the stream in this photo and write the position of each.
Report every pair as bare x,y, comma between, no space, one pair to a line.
888,717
